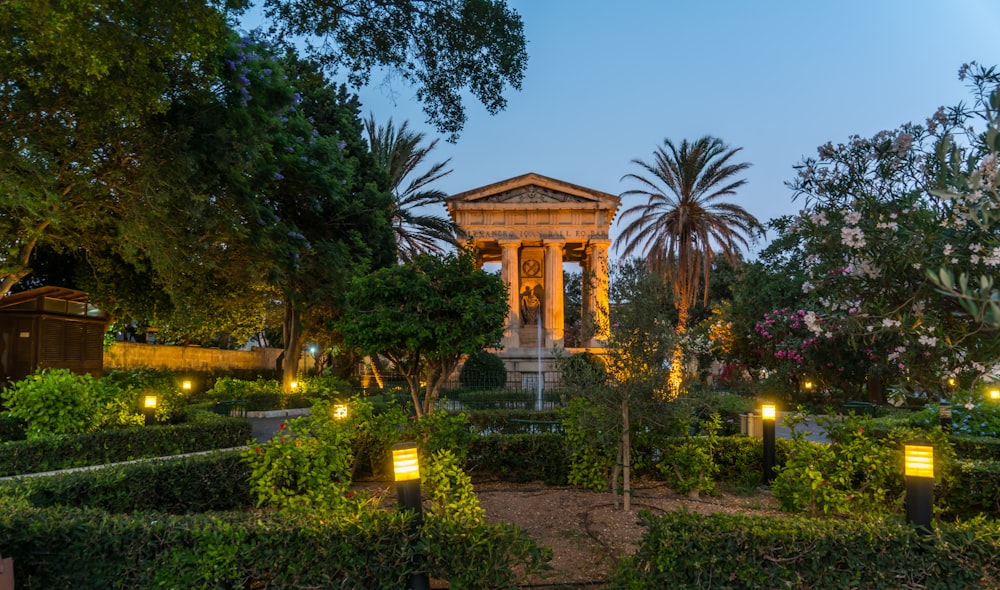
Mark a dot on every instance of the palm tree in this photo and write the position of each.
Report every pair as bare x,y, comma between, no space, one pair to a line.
399,152
684,222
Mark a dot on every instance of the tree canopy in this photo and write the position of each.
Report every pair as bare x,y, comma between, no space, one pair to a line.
443,47
424,316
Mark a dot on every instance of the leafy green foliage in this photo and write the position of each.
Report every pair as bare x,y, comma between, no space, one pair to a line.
688,550
448,489
583,370
858,471
107,68
690,467
216,481
483,370
477,45
590,454
302,468
423,316
57,401
202,431
521,457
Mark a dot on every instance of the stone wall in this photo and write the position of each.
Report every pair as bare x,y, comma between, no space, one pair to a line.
131,355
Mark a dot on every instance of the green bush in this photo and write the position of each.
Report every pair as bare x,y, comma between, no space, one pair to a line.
520,457
688,550
12,428
583,370
92,550
483,370
259,395
590,446
58,401
306,467
198,483
205,432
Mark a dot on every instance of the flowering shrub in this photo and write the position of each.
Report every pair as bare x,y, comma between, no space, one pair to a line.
880,214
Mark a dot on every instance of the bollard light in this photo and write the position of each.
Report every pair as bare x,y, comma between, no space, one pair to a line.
944,415
149,403
808,385
294,384
768,413
340,411
186,385
406,472
995,394
918,471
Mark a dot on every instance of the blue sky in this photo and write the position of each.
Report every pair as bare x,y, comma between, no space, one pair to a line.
606,82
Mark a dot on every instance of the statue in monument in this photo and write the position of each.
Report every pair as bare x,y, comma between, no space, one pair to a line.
530,305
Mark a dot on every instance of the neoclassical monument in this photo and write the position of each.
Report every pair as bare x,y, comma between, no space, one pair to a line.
531,225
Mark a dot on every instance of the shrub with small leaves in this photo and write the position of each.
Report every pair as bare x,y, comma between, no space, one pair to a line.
449,489
55,401
301,471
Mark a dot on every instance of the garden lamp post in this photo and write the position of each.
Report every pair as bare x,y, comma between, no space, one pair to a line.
149,409
995,394
406,472
767,414
919,475
186,385
340,411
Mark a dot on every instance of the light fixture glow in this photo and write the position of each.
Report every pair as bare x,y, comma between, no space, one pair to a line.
405,465
186,386
995,394
149,401
767,411
919,460
340,411
294,384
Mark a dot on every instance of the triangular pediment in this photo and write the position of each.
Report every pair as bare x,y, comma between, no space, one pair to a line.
534,189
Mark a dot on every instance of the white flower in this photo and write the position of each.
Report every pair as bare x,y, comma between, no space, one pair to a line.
852,237
819,219
852,218
928,340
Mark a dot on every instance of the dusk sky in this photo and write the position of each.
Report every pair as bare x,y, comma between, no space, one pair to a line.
606,82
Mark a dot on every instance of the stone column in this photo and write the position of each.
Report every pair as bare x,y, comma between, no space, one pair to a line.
598,262
554,316
509,266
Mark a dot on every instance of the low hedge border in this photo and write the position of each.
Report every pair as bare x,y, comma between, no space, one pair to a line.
520,458
688,550
197,483
88,549
499,421
112,446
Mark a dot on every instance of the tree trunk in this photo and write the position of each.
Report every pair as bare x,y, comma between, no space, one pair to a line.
626,458
676,377
614,474
291,333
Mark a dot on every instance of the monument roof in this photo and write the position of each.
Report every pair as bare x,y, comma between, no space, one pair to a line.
534,191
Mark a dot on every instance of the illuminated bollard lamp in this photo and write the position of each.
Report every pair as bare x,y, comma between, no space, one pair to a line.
919,475
768,415
149,409
406,471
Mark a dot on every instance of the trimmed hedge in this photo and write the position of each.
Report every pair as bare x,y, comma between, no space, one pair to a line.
65,548
198,483
687,550
520,457
87,549
112,446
